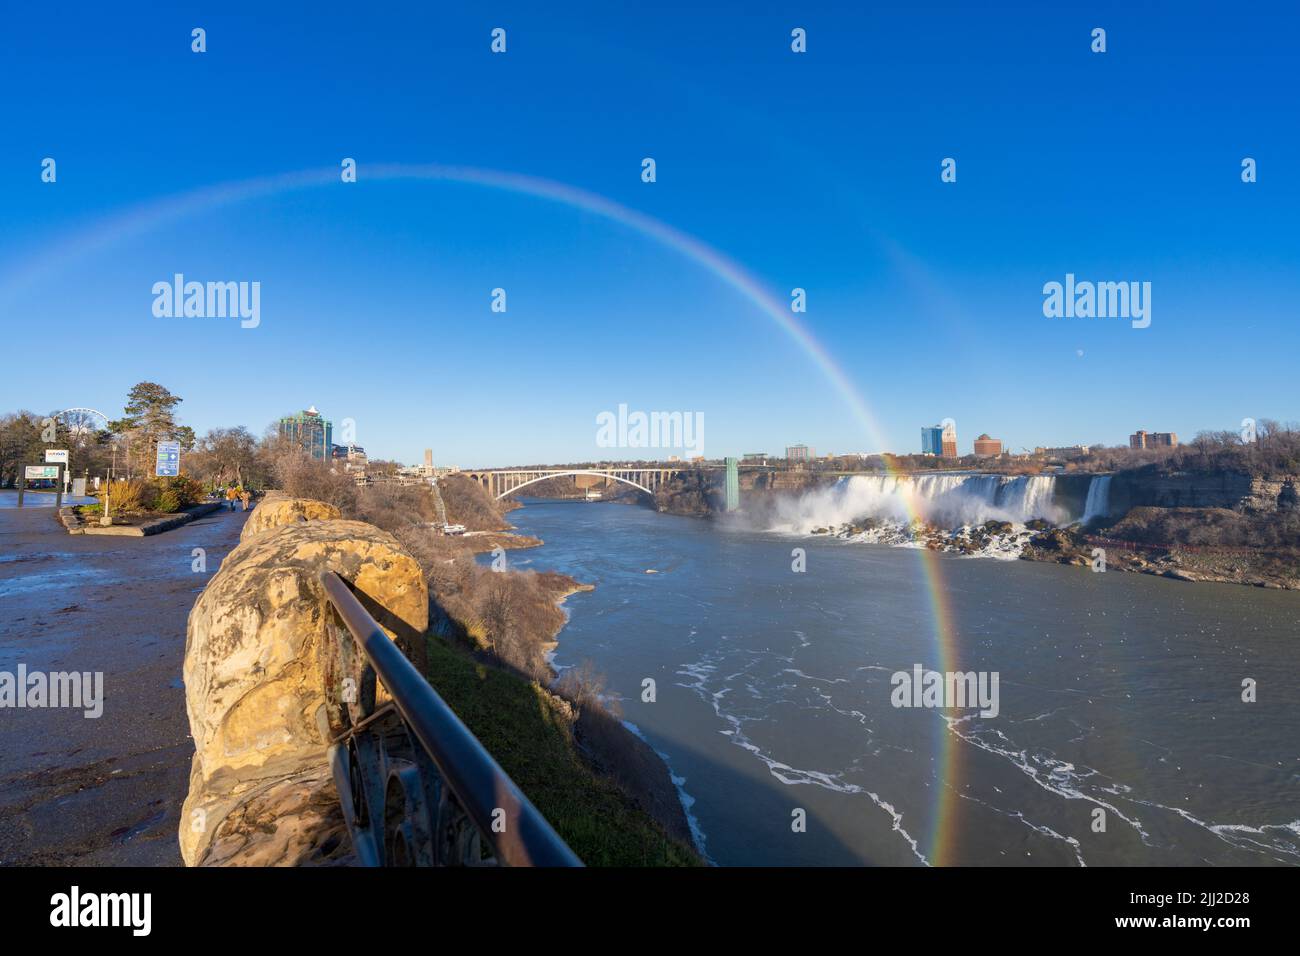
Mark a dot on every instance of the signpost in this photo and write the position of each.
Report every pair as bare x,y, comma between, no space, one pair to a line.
169,459
42,473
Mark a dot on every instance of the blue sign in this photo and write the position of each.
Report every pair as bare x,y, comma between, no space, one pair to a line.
169,459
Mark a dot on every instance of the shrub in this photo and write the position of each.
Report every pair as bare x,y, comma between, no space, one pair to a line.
303,477
469,504
134,494
585,687
168,502
188,492
393,507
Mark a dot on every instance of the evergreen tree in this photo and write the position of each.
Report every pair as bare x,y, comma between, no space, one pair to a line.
149,417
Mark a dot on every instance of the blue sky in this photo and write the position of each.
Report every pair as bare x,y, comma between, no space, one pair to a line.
819,170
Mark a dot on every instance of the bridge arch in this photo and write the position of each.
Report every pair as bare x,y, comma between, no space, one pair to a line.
576,471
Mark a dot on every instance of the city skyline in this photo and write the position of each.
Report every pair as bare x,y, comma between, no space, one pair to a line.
924,298
798,450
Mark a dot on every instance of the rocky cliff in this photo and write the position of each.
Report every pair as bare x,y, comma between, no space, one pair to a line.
1224,489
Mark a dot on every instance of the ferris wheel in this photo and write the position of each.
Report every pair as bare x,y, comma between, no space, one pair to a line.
82,423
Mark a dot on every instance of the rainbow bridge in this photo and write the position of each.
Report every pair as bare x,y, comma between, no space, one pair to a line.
502,482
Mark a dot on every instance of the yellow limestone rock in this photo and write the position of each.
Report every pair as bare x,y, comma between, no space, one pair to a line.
262,677
277,509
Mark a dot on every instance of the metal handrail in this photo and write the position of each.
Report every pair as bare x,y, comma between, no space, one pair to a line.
488,796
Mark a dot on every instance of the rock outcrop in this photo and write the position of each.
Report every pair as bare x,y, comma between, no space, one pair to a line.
263,688
278,509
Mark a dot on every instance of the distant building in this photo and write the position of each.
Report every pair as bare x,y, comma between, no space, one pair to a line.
1063,451
798,453
986,447
755,458
347,452
1144,439
310,432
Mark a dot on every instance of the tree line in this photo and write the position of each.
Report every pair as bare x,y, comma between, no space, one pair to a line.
128,446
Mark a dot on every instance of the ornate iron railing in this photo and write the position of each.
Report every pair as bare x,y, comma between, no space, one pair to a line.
417,788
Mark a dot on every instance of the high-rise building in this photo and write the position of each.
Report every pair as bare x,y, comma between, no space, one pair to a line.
986,447
1144,439
798,453
949,440
310,432
932,440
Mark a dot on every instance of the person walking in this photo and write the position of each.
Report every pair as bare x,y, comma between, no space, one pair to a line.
231,494
245,496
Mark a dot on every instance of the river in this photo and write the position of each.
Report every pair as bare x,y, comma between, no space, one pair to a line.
1121,735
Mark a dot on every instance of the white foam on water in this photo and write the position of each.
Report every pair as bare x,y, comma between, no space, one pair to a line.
1055,776
1064,779
687,801
784,772
1036,827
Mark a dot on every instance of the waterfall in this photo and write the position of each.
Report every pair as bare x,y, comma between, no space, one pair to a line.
948,501
1098,503
1030,497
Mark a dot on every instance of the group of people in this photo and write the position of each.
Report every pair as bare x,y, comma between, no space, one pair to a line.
235,493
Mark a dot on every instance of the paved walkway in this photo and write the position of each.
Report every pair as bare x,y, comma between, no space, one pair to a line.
103,791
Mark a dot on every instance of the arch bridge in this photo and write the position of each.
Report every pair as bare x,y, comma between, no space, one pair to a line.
507,481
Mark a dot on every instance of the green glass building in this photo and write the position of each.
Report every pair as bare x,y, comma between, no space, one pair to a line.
310,431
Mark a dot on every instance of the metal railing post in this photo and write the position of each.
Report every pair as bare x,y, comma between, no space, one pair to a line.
517,832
